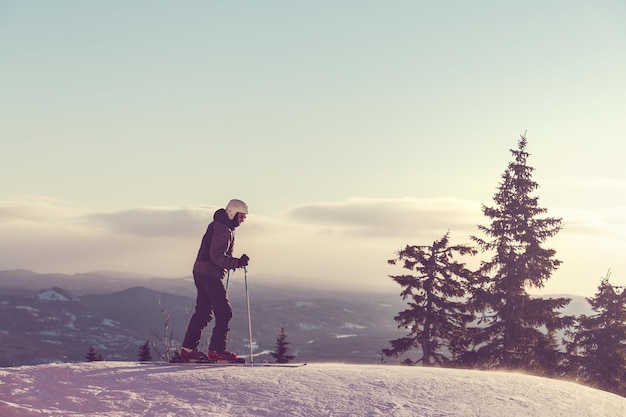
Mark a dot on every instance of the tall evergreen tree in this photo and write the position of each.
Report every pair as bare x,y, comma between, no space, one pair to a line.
281,348
598,342
436,314
508,333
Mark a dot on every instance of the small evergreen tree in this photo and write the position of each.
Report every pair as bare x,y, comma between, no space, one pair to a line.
510,332
598,342
281,348
437,314
144,352
92,356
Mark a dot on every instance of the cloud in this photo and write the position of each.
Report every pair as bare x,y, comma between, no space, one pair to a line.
323,240
401,218
591,192
155,222
601,182
48,235
597,223
342,244
37,209
150,222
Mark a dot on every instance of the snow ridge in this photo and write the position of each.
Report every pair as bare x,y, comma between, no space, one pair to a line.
129,389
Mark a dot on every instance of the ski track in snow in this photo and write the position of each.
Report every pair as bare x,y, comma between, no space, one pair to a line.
127,389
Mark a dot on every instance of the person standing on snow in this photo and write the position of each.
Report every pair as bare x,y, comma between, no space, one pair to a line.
213,260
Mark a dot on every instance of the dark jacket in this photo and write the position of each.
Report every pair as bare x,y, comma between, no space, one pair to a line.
216,250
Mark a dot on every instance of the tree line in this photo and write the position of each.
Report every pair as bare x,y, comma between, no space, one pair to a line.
484,318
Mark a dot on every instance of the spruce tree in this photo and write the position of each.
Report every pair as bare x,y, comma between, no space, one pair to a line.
281,348
144,353
598,342
515,330
92,356
437,315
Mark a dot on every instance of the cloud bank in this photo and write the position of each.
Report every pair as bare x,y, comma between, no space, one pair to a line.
404,218
344,244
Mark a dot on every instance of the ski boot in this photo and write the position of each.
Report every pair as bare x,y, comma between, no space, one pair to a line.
191,356
225,356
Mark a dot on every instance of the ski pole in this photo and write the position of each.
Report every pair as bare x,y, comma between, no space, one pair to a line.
245,275
227,278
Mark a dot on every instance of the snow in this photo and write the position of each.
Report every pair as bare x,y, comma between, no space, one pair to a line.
347,325
128,389
55,333
52,295
34,311
110,323
309,326
300,304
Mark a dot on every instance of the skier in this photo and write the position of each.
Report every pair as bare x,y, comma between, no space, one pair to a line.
213,260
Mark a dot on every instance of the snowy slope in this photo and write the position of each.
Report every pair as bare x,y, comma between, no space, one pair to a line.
123,389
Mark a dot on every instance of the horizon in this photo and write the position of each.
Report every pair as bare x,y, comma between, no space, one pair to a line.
351,130
264,282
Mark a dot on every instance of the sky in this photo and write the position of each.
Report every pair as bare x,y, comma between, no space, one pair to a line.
351,129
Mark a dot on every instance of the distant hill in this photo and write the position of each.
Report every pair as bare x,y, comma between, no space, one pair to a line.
22,281
56,318
55,324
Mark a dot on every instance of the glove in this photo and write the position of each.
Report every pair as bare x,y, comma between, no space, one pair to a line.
243,261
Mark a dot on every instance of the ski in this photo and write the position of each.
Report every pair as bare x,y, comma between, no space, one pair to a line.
226,364
250,365
208,361
281,365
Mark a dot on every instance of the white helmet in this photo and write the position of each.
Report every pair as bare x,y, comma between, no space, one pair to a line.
235,206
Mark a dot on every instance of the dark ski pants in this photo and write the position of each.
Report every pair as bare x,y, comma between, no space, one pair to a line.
211,300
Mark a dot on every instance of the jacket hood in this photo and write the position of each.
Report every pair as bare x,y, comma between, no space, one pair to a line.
220,216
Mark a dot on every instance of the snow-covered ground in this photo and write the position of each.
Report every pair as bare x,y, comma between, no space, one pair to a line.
126,389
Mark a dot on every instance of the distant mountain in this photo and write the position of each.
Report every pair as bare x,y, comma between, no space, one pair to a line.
579,305
52,325
22,281
54,317
56,325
